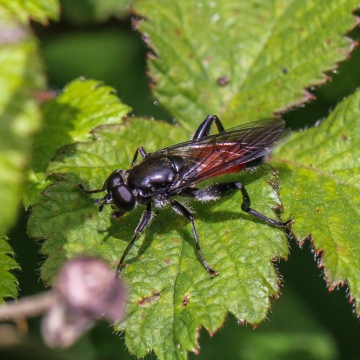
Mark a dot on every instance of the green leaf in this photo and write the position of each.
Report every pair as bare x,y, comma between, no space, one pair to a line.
8,282
37,10
20,74
320,177
299,336
68,118
94,10
269,51
172,295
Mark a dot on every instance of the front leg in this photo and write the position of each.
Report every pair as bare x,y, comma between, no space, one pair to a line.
204,128
86,191
144,221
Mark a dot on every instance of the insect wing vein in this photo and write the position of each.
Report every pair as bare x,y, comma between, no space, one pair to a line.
224,152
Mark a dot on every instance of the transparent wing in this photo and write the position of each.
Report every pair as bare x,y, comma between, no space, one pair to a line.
226,152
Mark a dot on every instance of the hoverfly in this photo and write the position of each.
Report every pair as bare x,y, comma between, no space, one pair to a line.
175,170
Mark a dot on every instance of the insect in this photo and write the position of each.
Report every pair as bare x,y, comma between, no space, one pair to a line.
175,170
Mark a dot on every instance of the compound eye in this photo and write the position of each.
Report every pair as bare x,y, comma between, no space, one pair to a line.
123,198
113,181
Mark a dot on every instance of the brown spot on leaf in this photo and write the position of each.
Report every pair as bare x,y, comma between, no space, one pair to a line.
149,299
223,80
175,240
185,301
45,95
344,137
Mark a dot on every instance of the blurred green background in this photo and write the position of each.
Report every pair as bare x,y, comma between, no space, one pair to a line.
307,322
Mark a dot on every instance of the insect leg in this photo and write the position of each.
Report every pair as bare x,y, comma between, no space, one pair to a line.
81,186
180,209
216,191
145,218
140,150
245,206
103,188
204,128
